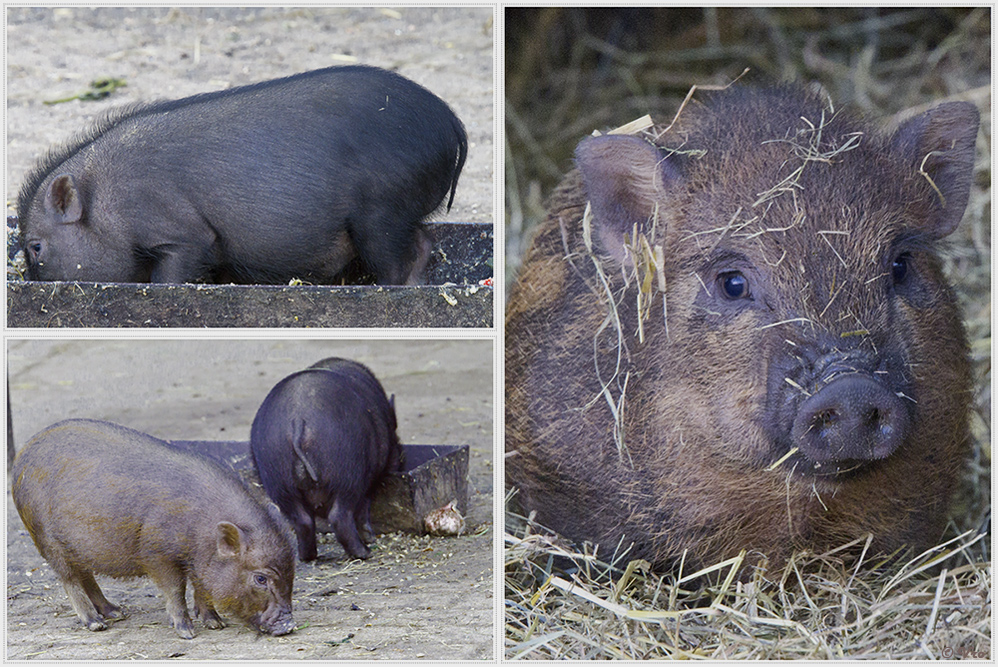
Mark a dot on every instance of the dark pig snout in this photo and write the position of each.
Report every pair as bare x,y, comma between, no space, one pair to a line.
277,620
853,417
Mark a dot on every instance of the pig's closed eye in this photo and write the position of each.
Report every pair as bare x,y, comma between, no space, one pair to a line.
733,285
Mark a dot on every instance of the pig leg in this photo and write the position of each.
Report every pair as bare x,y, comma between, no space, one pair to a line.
424,246
172,583
304,525
343,520
82,604
205,611
179,257
385,244
363,520
104,608
181,265
84,594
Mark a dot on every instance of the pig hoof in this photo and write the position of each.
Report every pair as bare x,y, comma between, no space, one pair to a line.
210,618
113,613
185,629
214,623
96,625
283,629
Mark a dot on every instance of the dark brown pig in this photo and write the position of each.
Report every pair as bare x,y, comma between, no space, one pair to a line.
747,342
321,441
100,498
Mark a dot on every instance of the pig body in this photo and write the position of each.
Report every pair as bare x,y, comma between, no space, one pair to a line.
321,441
100,498
361,373
768,358
290,178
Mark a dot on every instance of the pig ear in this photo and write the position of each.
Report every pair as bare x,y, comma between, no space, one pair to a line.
624,177
941,141
62,200
230,539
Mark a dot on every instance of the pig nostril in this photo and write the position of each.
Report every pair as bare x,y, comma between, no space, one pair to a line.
873,418
824,421
880,420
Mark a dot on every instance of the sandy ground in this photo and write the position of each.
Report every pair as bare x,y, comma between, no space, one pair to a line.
172,53
417,597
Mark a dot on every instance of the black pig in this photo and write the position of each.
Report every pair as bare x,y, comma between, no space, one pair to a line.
735,333
289,178
321,441
101,498
362,373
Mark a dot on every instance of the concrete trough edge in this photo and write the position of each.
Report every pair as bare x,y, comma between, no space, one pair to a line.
462,258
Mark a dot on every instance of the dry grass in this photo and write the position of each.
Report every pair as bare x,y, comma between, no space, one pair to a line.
566,604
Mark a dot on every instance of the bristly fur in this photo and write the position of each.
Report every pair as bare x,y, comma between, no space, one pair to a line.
113,117
813,208
59,153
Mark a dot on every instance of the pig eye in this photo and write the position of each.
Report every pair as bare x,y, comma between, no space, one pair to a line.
899,269
260,580
734,285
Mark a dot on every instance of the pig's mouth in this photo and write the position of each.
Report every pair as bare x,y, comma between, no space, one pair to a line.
837,470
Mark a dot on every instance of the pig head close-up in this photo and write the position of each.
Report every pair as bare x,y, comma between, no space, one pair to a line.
733,333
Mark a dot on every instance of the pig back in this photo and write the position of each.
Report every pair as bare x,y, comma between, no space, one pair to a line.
308,150
323,433
361,373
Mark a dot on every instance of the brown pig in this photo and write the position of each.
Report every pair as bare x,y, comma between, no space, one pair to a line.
746,340
100,498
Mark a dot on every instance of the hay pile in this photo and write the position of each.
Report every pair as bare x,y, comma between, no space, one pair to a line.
572,70
562,603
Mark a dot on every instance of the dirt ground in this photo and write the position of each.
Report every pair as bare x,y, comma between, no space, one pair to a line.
53,53
417,597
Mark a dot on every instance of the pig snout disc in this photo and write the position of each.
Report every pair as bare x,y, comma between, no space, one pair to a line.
854,417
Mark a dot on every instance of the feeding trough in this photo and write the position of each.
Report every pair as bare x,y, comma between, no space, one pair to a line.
458,294
434,475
